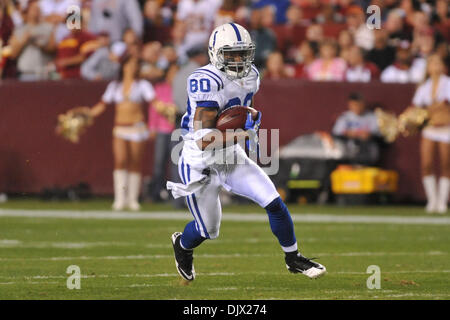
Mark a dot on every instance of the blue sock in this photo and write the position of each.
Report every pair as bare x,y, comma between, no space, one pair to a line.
281,224
191,237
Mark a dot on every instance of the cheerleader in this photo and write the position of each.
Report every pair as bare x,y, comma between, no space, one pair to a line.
128,94
434,94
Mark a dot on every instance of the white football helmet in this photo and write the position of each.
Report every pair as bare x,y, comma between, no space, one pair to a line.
231,50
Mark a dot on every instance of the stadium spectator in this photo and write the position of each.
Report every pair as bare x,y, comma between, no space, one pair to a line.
7,66
294,17
168,58
162,117
328,67
130,38
242,14
114,17
382,4
305,57
6,24
424,47
195,18
262,35
345,39
168,22
359,70
55,12
441,13
358,129
276,69
402,70
73,50
395,28
314,33
157,18
130,132
409,8
229,12
103,64
328,15
150,55
434,94
345,42
442,50
15,10
279,8
423,28
33,44
382,54
310,8
267,16
356,24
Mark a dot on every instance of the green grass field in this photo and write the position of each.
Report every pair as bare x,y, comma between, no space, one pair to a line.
132,258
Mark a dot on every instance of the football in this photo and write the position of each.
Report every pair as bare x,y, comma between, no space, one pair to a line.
234,118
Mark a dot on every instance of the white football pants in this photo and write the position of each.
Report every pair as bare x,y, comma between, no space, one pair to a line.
246,179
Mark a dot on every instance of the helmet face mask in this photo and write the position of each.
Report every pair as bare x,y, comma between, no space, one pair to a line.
232,51
236,61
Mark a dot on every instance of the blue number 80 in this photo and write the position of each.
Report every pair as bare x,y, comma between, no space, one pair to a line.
205,85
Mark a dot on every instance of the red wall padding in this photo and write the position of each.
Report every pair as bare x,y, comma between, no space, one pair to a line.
33,157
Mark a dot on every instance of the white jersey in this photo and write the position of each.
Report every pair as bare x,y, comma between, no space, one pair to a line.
141,91
423,96
209,87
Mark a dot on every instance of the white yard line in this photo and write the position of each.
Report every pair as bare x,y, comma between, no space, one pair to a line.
210,274
84,276
225,256
249,217
6,243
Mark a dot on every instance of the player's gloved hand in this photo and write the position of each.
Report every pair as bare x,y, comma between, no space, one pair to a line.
253,124
252,143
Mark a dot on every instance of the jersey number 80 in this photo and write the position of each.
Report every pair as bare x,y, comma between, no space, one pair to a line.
203,85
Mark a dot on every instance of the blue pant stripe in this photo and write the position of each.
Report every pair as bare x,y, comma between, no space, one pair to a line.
188,172
182,172
199,215
192,212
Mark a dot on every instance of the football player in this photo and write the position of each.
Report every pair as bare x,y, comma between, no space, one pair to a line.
229,80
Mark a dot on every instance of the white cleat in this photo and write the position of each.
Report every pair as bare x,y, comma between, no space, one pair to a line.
301,264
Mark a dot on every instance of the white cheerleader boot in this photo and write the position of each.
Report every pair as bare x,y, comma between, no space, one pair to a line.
444,189
134,186
120,189
429,184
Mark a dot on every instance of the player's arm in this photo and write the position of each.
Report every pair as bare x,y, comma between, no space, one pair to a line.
205,118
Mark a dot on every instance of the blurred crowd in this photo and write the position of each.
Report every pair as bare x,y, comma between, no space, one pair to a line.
320,40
